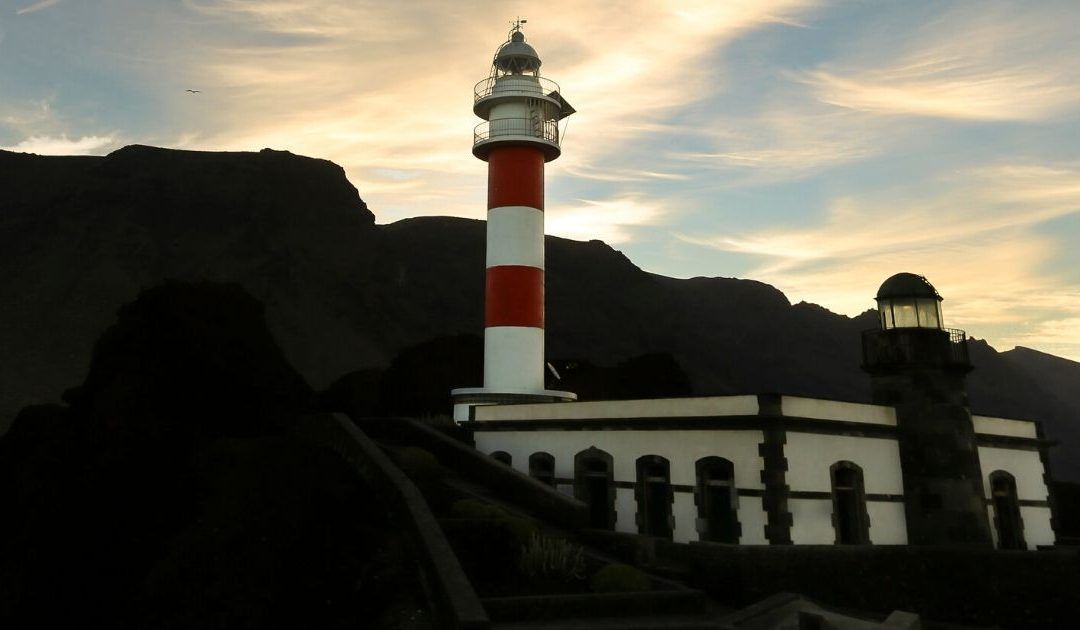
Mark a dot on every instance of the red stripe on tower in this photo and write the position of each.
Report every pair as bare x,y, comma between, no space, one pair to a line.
516,177
515,296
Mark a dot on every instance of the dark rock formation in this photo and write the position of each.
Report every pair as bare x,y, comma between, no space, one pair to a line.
172,492
80,236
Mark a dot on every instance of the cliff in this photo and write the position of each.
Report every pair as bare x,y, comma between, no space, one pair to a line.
81,236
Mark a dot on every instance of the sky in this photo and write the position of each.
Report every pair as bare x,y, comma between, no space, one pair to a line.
816,146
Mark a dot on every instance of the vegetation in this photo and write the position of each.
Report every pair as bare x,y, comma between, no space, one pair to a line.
546,557
619,578
522,529
419,463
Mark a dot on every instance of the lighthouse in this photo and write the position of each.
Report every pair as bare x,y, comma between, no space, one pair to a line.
519,134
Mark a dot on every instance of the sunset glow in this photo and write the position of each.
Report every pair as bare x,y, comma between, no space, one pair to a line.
816,146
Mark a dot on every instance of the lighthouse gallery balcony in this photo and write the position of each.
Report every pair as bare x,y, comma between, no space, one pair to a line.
493,90
517,131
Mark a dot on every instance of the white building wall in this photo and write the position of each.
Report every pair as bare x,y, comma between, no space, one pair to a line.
811,521
817,408
810,455
1025,466
685,513
1037,530
752,519
887,523
1004,426
608,409
625,510
681,448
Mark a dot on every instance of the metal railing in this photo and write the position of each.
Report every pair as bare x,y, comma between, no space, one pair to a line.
914,345
958,348
514,84
530,127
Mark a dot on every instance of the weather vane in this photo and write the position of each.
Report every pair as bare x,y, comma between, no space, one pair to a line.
517,24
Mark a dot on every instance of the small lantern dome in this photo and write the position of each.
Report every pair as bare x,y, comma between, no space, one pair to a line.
908,300
517,57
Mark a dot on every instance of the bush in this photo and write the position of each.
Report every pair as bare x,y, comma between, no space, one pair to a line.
619,578
552,558
419,463
522,529
473,508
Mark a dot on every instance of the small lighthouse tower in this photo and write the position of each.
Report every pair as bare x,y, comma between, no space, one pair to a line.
520,133
918,366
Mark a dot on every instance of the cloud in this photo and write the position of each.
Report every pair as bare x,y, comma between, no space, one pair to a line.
981,61
37,6
975,234
1056,336
790,142
49,145
388,86
974,202
613,221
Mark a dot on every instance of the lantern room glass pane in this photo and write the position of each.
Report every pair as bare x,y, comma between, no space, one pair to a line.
905,313
928,313
885,311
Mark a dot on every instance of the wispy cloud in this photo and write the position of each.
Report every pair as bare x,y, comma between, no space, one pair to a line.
613,221
62,145
1056,336
388,87
791,142
981,61
37,6
973,234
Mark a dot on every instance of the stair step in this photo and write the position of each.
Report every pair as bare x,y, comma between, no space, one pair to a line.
669,622
595,605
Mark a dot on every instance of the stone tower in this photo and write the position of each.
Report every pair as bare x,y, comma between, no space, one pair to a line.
919,366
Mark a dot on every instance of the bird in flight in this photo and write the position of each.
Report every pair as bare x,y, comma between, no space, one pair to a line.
193,91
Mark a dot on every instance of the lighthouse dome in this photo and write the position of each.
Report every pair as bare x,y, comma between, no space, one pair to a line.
517,57
908,300
907,285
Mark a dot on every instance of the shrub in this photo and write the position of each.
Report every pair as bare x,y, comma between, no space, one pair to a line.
473,508
619,578
522,529
419,463
552,558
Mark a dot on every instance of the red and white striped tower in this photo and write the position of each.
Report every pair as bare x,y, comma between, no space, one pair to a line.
520,132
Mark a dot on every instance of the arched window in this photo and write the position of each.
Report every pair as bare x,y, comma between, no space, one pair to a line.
503,457
594,485
850,520
1007,521
542,468
717,500
654,497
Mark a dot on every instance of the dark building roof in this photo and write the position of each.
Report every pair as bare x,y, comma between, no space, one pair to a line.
907,285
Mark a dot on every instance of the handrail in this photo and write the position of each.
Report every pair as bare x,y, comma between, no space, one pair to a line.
909,345
506,483
514,84
455,603
498,127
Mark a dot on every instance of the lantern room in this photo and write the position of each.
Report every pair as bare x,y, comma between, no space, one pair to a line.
517,57
908,300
